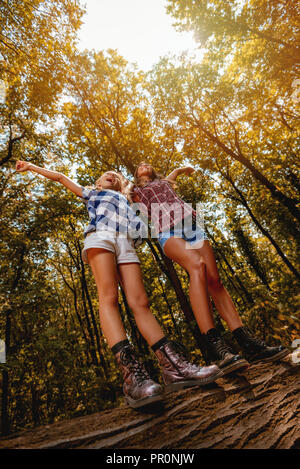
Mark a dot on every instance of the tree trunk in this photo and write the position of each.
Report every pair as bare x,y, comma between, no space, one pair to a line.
5,424
222,256
247,249
254,410
264,231
289,203
94,322
11,143
170,309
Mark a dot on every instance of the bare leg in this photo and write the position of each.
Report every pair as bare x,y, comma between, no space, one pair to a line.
217,291
131,279
104,268
176,370
192,260
193,263
139,389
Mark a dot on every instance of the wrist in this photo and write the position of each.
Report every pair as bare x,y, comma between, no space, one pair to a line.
31,167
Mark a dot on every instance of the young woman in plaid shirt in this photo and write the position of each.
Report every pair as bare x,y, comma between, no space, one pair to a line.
113,259
186,243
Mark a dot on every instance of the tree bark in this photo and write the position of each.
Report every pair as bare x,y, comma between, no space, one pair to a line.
246,247
254,410
170,309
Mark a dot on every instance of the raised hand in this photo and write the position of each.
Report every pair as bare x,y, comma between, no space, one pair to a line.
22,166
54,175
189,170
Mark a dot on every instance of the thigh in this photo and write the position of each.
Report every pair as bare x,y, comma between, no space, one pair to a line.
104,268
178,250
131,279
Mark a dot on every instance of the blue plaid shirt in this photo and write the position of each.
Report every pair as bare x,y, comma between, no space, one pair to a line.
110,211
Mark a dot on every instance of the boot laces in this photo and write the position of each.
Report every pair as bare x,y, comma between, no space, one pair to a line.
221,348
128,358
181,351
255,340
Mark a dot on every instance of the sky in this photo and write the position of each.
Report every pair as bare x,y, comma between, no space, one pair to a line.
140,30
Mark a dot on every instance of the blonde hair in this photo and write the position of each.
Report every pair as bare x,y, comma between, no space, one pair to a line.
126,186
123,182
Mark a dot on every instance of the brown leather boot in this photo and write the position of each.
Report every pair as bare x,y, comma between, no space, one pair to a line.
178,372
139,389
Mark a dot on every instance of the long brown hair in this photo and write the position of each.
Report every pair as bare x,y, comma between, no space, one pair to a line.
154,175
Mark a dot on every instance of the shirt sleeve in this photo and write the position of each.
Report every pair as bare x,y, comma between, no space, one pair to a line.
86,193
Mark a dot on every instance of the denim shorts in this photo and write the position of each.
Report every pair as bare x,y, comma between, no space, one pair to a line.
186,230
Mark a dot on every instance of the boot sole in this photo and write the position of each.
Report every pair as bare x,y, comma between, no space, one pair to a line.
146,401
240,365
191,383
279,356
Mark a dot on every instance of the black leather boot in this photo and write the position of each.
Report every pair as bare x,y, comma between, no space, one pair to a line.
219,353
255,349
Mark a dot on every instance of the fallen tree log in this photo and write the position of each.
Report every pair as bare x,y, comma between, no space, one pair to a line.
256,409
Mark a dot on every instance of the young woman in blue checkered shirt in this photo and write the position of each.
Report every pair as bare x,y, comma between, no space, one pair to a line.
113,259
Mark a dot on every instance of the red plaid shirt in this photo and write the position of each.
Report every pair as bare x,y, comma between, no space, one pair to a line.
165,208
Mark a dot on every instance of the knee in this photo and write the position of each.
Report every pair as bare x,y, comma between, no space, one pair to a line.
108,298
138,302
198,267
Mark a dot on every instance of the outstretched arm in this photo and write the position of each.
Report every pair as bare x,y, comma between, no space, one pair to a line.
54,175
174,174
